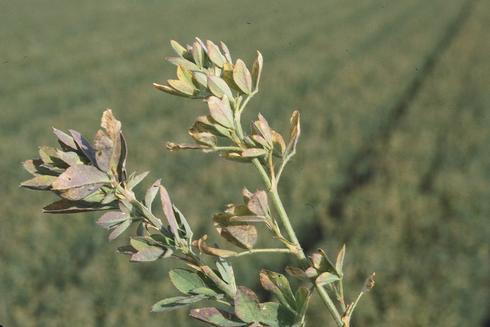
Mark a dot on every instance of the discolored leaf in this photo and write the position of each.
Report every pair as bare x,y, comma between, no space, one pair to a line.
198,54
226,52
275,315
204,248
215,317
214,54
257,70
177,302
70,158
81,192
169,90
220,111
294,133
79,175
247,305
296,272
179,49
168,211
134,180
111,219
41,182
151,193
254,153
218,87
178,61
242,77
259,204
67,206
151,253
119,229
339,263
200,78
65,140
278,139
121,166
182,86
241,235
303,295
84,146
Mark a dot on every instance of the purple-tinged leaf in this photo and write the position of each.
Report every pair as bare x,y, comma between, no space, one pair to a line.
278,284
168,211
151,253
81,192
112,218
264,129
41,182
294,133
247,305
84,146
65,140
241,235
215,317
119,229
80,175
67,206
151,193
103,150
259,204
257,69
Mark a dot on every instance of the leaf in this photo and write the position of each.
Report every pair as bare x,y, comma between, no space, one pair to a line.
177,302
278,284
242,77
70,158
198,54
168,211
121,167
218,87
326,264
247,305
112,218
214,317
151,193
303,296
186,281
204,248
182,222
41,182
179,49
201,78
254,153
184,75
215,54
278,139
65,140
136,179
326,278
81,192
182,86
79,175
225,269
241,235
264,129
151,253
84,146
275,315
119,229
67,206
226,52
169,90
220,111
296,272
257,69
103,150
178,61
258,204
294,133
339,263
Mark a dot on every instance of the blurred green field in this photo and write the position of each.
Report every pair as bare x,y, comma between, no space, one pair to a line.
394,159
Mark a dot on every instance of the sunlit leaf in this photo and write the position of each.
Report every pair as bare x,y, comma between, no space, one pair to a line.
242,77
177,302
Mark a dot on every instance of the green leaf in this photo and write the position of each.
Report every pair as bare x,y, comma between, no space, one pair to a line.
278,284
303,296
198,54
218,87
135,179
275,315
220,111
186,281
242,77
225,269
79,175
214,317
326,278
151,193
150,253
177,302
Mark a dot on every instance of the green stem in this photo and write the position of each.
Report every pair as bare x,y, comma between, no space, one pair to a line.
253,251
330,305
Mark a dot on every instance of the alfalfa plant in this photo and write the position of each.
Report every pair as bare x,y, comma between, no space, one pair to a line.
93,177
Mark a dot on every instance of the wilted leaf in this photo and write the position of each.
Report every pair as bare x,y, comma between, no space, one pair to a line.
242,77
168,211
218,87
294,133
169,90
103,150
65,140
241,235
84,146
214,317
258,204
254,153
204,248
67,206
177,302
79,175
264,129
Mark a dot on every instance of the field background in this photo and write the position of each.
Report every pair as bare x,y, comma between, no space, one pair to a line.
394,159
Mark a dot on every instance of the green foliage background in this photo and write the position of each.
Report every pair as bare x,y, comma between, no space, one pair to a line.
394,158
